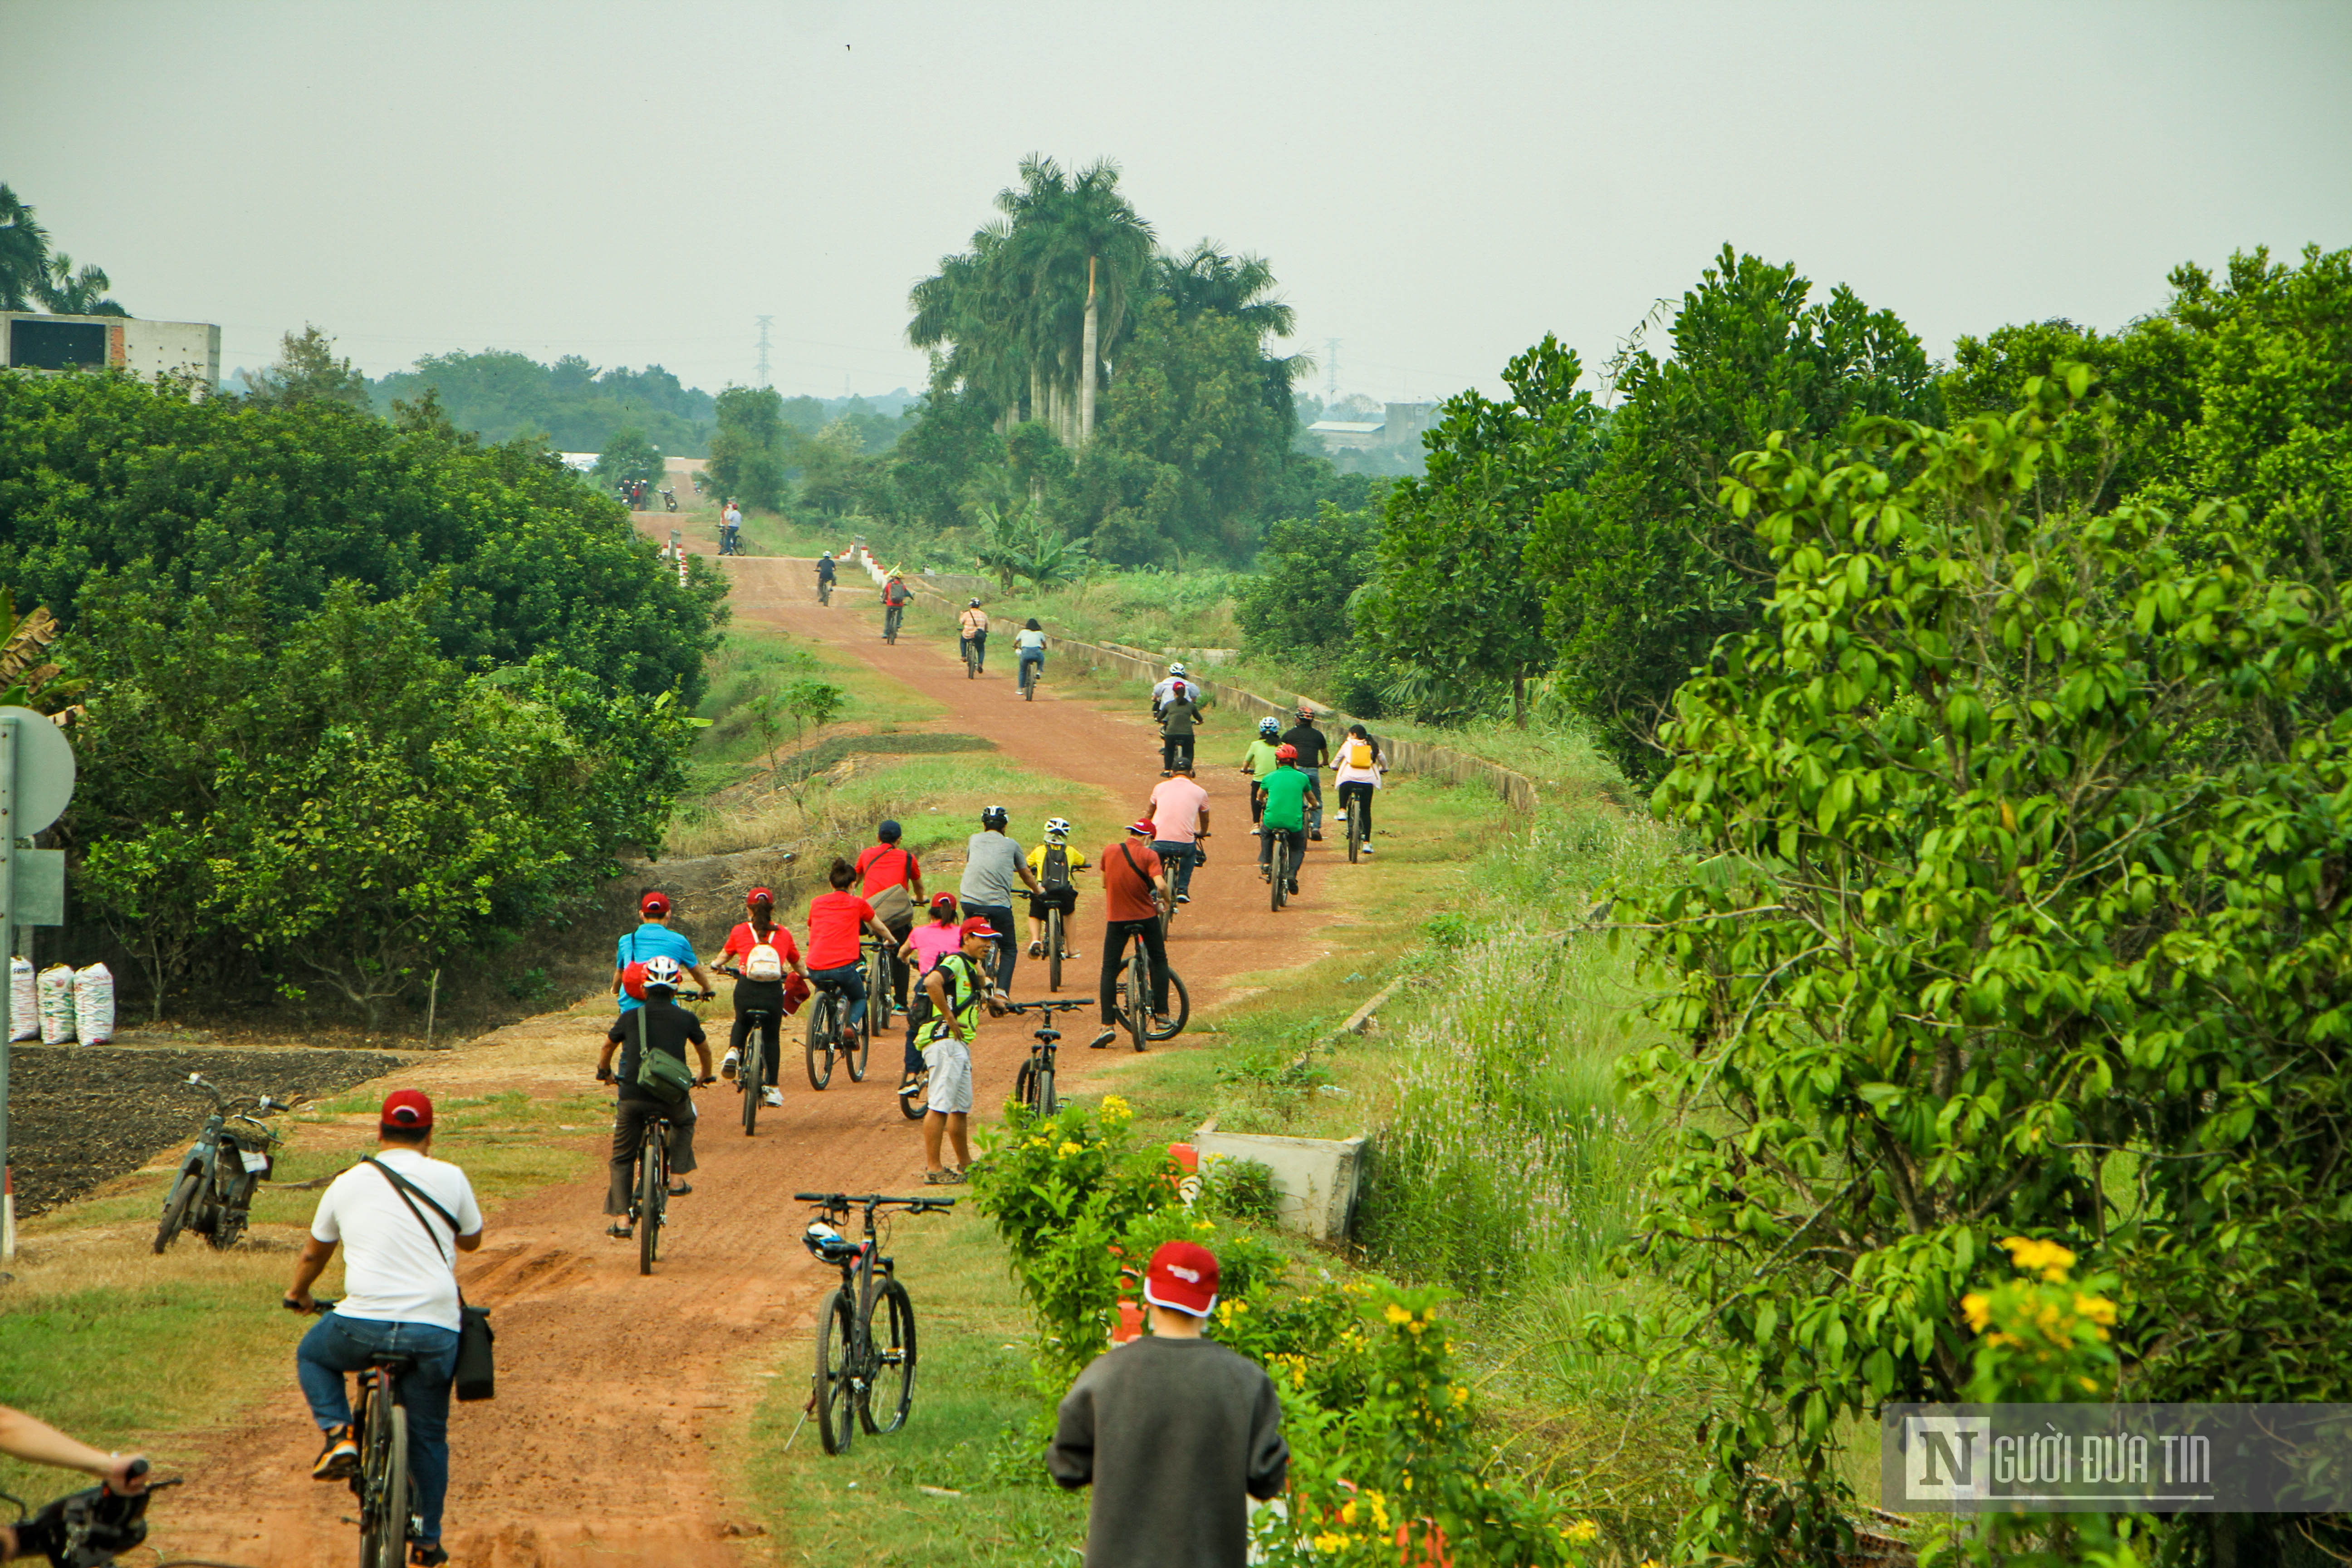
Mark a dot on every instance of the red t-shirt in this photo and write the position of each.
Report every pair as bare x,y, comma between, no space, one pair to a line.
741,942
1128,897
885,866
835,920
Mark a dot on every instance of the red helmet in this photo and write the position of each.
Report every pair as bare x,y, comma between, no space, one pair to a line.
1286,753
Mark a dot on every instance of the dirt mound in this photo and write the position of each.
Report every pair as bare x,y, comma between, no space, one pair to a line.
79,1115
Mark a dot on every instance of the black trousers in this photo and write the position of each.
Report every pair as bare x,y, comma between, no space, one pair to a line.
1358,791
770,1021
1175,752
1293,850
1155,948
631,1119
902,974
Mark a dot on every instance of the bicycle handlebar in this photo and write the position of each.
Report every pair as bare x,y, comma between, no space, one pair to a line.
1050,1004
871,1200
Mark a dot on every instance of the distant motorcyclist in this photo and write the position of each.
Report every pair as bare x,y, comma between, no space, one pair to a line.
825,575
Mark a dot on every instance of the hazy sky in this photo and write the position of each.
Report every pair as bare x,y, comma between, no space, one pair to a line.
1437,185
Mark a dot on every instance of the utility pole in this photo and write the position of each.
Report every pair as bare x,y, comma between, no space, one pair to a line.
1330,371
765,322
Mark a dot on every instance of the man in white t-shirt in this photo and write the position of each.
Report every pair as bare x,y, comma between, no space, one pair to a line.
1179,820
400,1293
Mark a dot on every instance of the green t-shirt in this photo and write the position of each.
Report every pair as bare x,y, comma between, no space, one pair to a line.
1260,758
1285,799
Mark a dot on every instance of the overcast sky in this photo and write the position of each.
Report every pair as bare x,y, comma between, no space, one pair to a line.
1437,185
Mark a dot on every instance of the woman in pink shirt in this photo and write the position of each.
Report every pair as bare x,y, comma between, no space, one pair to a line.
923,949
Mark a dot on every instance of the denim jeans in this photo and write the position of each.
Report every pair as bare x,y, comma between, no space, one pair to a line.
850,981
1178,859
337,1344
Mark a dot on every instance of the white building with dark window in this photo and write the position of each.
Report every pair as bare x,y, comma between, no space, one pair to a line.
148,350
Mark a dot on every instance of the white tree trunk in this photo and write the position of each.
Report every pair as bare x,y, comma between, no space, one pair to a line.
1037,389
1087,363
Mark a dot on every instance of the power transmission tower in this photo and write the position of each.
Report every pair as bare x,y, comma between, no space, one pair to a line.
1330,371
762,371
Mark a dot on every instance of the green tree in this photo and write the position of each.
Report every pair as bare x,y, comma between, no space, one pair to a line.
629,456
1454,605
1991,939
1309,570
307,370
1643,571
501,396
1082,251
31,278
751,455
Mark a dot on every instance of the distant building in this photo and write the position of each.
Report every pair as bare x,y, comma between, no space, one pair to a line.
147,350
1347,435
1393,438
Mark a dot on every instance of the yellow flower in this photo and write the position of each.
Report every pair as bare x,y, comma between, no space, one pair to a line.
2098,1308
1326,1541
1461,1394
1396,1314
1114,1109
2053,1259
2090,1384
1204,1226
1979,1309
1067,1149
1582,1530
1348,1511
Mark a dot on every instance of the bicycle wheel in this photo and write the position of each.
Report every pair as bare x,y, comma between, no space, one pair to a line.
1355,829
1277,872
1138,996
384,1523
1180,1009
854,1057
822,1039
835,1384
751,1072
1024,1085
877,991
891,1350
917,1099
971,665
1028,680
1047,1101
1053,949
653,1192
175,1209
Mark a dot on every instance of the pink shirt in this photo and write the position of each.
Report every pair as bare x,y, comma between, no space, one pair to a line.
1176,806
932,942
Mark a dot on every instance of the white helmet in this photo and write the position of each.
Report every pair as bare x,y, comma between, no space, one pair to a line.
972,604
1175,670
1060,824
1269,725
661,973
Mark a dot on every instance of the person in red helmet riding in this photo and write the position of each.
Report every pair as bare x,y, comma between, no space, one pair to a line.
1285,821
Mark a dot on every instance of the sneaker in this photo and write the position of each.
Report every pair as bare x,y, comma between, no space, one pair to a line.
1368,849
1068,953
426,1555
1292,888
1104,1038
1162,1024
1315,838
1257,832
909,1083
727,1068
1167,773
1183,898
340,1459
1036,950
848,1038
621,1229
772,1096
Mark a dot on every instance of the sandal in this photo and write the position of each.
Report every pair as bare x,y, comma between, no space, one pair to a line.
939,1178
1036,950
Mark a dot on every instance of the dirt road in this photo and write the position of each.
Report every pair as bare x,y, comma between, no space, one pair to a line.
622,1397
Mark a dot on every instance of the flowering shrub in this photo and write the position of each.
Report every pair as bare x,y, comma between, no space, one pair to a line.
2042,1338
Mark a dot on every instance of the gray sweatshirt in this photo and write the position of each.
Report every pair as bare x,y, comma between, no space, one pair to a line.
1171,1433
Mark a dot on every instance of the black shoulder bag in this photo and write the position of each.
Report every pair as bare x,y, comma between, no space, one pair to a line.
476,1377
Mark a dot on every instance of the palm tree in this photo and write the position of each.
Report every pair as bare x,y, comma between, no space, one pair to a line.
73,293
968,309
1205,278
24,253
1082,245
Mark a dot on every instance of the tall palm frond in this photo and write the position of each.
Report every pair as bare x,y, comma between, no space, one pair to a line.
24,253
69,292
1206,278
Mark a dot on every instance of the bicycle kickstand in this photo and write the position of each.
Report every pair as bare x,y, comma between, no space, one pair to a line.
806,1409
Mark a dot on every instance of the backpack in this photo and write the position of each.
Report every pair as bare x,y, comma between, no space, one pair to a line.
661,1075
1057,867
763,962
1359,752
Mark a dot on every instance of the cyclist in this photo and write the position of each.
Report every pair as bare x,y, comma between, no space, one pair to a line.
1029,643
669,1028
836,918
896,598
1179,810
1258,761
759,985
1356,768
1053,863
894,885
1178,715
401,1217
956,986
923,949
824,573
971,632
1312,750
653,939
1176,682
1285,815
992,862
731,528
22,1437
1135,886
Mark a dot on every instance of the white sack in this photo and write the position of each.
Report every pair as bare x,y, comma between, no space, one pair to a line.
94,999
23,1001
56,988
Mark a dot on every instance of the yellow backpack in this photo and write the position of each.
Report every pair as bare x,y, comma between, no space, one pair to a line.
1357,754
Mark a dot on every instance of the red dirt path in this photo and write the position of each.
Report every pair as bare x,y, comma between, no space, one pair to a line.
618,1392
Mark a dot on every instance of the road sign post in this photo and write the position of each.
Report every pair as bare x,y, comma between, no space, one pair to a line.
37,782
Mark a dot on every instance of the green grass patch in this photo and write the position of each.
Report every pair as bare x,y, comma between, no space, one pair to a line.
833,748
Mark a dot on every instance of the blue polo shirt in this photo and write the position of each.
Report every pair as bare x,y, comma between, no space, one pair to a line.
649,942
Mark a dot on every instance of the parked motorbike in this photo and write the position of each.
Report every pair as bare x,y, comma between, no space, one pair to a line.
212,1193
669,500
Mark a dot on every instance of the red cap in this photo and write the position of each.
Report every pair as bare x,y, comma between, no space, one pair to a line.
408,1110
1145,827
761,896
654,904
1182,1277
1286,753
978,926
943,900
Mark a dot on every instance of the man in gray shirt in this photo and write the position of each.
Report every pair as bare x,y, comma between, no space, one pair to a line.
1173,1431
993,861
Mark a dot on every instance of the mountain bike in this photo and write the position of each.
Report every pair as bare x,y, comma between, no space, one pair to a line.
1033,670
891,615
213,1191
1035,1085
649,1182
877,993
1280,865
1355,827
857,1358
762,1033
92,1526
824,590
382,1486
1132,1008
826,1010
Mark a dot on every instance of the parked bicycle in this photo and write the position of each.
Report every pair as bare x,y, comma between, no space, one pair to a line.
1132,1008
212,1193
1033,1086
827,1008
865,1368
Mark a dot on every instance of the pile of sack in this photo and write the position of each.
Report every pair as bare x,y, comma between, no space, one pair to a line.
61,1005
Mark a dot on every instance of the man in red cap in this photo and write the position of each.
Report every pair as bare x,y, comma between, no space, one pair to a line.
402,1217
1173,1432
956,985
653,939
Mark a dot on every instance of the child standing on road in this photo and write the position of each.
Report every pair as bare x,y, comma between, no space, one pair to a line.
957,987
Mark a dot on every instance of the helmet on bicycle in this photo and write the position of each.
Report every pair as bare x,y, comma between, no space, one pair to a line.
825,1244
996,816
1269,725
661,973
1286,753
1054,825
1147,827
